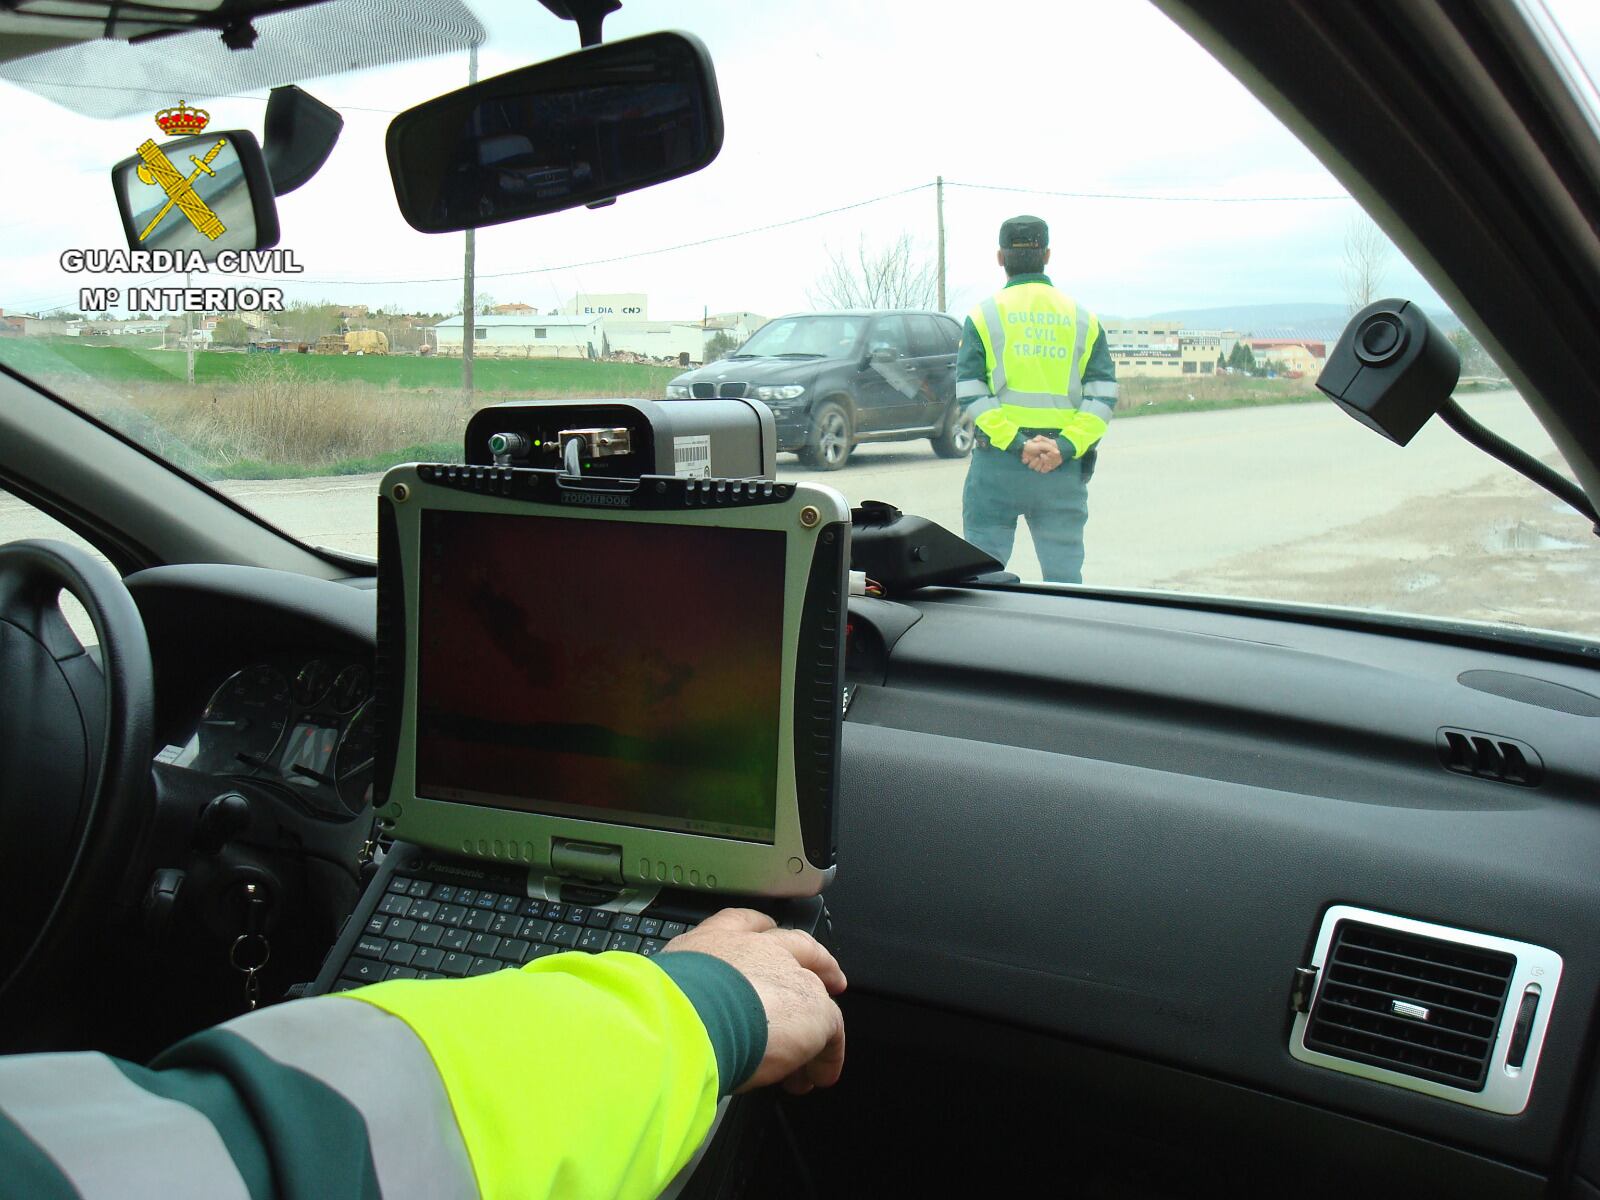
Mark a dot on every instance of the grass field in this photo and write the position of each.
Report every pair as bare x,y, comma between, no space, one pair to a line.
262,416
1207,393
42,357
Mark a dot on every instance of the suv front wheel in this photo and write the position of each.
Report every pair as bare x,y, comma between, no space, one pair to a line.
831,439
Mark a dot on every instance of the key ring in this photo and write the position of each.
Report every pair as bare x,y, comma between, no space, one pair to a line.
233,952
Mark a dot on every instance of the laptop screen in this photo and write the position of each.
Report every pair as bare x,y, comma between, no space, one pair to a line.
604,670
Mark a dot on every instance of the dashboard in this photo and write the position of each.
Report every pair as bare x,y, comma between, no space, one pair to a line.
300,723
1166,801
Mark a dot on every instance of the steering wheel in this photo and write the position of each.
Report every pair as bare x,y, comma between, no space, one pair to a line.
75,744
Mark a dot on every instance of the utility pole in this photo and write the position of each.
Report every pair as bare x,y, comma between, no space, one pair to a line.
938,193
188,332
469,270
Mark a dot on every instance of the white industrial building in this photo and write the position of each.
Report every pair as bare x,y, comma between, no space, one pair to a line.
525,335
681,341
625,306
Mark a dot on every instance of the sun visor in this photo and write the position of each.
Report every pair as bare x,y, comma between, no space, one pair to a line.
291,46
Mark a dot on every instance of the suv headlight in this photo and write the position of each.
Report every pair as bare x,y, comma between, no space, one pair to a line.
788,391
677,391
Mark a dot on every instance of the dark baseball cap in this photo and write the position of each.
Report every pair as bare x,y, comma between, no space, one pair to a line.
1024,233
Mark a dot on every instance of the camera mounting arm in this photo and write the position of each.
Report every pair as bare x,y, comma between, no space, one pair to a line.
589,14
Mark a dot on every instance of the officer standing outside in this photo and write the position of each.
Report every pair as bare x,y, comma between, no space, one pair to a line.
1036,375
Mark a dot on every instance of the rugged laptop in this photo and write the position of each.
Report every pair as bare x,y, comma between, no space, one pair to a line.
608,709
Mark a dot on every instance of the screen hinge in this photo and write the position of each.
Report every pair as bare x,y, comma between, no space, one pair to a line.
586,860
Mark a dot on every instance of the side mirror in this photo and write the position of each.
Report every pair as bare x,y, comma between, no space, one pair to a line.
210,193
882,354
577,130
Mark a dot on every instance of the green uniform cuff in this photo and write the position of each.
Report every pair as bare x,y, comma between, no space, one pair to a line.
732,1012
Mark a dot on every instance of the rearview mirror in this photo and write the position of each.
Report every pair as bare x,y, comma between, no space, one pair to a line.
208,193
576,130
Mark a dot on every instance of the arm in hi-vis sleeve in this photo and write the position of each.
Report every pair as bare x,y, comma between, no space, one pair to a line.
576,1075
974,396
972,367
1089,423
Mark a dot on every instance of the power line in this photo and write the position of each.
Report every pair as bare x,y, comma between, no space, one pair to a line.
616,258
724,237
1167,199
791,221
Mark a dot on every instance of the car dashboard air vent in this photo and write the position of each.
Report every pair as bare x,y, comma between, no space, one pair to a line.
1455,1014
1487,756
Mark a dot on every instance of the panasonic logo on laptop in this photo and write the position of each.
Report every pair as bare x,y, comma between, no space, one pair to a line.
600,499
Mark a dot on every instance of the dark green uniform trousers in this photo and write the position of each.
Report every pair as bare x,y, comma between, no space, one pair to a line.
1000,489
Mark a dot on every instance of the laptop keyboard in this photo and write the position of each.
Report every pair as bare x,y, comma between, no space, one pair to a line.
427,930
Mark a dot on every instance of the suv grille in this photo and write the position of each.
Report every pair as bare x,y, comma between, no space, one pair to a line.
1413,1004
711,391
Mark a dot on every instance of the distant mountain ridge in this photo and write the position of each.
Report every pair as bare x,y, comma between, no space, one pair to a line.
1317,322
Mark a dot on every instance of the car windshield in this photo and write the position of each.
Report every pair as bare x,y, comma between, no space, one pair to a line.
1205,257
814,337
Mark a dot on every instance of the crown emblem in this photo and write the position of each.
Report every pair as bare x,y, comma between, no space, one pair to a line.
182,120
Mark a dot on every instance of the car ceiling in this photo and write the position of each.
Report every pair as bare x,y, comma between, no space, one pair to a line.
295,41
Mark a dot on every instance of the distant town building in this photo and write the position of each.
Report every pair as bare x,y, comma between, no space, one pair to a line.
739,324
678,340
123,328
518,335
501,310
1289,355
627,306
1165,349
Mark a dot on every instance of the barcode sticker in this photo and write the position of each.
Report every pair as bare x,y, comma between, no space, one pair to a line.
691,456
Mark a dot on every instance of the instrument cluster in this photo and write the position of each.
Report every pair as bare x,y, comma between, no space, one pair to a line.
305,724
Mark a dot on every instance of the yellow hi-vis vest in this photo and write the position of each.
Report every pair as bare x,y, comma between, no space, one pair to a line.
1036,344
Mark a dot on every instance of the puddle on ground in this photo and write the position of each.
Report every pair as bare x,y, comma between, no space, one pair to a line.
1523,536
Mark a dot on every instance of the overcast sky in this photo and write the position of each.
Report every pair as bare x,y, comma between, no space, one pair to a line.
825,105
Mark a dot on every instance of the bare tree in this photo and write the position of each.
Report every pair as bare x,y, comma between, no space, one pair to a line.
1366,262
895,275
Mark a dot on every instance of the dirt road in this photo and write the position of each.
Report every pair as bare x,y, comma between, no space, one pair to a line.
1291,503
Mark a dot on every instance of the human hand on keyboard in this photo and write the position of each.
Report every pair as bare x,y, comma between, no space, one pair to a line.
796,979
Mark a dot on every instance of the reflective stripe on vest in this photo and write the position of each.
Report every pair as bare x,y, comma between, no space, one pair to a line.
1036,343
109,1137
382,1069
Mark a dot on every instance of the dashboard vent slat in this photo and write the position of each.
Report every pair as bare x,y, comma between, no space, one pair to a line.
1489,756
1413,1004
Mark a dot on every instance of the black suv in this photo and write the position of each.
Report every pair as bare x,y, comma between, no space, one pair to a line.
833,379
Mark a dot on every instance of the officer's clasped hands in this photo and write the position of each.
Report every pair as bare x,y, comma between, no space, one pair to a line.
1041,454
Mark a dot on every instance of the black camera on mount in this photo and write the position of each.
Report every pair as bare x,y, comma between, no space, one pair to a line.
1391,369
628,439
